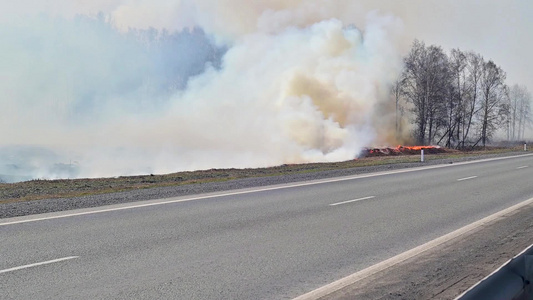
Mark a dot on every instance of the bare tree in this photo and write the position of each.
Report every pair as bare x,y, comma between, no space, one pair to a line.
493,93
426,78
474,64
515,97
507,112
520,111
527,117
397,91
457,91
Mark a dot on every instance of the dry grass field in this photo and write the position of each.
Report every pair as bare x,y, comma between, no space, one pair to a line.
67,188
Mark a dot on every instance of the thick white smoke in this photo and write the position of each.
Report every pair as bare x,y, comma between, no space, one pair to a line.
298,83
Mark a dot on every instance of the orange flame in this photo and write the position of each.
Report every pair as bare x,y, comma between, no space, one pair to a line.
416,148
400,150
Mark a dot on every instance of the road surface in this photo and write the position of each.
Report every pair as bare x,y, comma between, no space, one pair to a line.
269,243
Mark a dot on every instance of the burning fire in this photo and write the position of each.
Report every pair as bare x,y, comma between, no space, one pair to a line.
417,148
401,150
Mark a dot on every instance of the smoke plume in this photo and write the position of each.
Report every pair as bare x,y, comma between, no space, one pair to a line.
212,84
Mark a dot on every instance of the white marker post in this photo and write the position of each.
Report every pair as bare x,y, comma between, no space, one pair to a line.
422,155
525,146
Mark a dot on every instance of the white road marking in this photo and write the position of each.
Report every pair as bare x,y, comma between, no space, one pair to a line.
522,167
38,264
466,178
323,291
350,201
27,219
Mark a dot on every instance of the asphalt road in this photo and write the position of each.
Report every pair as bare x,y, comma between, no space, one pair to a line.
276,243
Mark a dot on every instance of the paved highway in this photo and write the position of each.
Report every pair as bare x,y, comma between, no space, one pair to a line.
273,243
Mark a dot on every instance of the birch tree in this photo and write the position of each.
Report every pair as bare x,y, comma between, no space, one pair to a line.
492,86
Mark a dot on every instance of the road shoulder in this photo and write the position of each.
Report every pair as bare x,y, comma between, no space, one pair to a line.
448,270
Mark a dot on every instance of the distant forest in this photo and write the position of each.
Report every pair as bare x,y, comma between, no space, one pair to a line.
458,99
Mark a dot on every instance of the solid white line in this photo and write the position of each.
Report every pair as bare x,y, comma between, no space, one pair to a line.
355,277
466,178
350,201
174,200
38,264
522,167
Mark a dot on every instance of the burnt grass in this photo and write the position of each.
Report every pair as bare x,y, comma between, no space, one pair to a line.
40,196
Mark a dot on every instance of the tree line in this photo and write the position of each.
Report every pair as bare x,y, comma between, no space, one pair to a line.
459,99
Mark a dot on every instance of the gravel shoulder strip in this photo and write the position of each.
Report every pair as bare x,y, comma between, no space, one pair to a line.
16,209
447,271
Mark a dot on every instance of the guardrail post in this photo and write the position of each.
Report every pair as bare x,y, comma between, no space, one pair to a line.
525,146
422,155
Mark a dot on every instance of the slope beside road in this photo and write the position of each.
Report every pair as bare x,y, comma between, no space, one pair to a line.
269,243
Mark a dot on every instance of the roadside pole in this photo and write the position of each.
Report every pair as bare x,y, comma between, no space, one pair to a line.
422,155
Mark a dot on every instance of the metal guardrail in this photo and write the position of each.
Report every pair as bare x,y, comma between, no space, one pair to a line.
512,281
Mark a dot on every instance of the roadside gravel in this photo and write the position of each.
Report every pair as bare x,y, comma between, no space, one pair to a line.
15,209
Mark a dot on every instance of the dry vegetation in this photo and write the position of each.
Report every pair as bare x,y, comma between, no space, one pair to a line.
46,189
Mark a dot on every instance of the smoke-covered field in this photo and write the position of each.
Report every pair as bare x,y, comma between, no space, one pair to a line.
213,84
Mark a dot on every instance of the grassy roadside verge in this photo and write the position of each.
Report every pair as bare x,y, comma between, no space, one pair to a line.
46,189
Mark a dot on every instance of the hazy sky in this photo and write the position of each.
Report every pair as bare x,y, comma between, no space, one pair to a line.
499,30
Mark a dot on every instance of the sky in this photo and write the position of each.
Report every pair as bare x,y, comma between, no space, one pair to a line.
499,30
280,81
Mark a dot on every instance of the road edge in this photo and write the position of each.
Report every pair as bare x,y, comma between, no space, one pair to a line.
154,202
337,285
